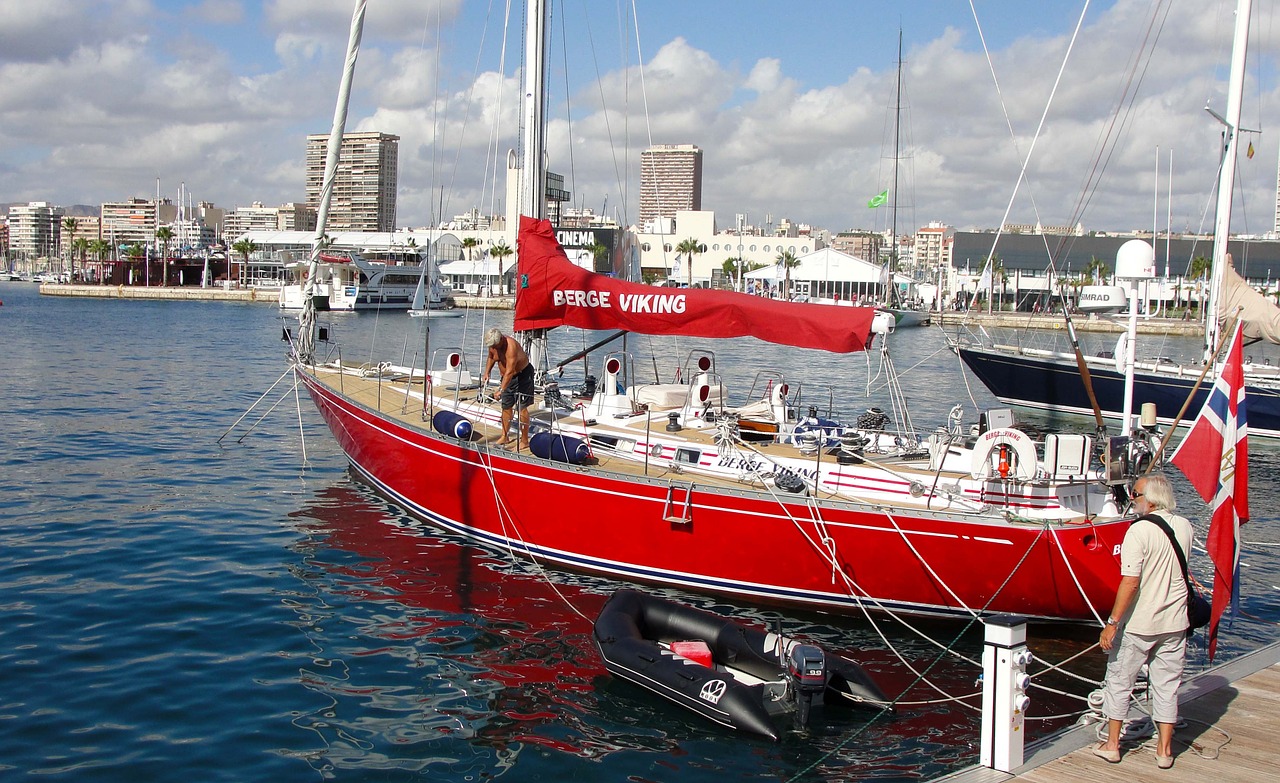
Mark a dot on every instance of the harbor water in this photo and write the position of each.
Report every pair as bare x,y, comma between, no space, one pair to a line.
179,608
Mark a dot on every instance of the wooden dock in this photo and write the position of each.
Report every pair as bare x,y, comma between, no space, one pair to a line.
1232,721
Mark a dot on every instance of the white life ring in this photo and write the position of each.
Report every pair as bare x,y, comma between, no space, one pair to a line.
1020,455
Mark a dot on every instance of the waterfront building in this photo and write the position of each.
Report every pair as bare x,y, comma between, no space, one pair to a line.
130,222
755,246
257,217
860,244
555,196
933,245
364,190
670,182
35,229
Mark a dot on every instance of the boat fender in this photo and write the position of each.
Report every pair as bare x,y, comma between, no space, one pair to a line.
453,424
560,448
1007,443
1122,352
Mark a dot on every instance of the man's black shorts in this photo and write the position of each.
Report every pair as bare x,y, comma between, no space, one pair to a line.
519,393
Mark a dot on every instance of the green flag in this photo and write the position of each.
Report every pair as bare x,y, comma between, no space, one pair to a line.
879,199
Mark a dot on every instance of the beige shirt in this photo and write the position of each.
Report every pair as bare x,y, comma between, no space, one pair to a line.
1161,605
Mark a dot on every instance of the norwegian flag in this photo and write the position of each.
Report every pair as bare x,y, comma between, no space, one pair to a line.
1215,458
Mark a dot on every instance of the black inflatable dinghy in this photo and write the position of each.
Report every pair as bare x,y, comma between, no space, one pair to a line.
736,676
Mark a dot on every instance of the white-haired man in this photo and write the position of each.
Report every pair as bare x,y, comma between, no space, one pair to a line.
1150,617
515,389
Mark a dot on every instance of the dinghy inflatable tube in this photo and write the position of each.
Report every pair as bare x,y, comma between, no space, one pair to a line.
754,676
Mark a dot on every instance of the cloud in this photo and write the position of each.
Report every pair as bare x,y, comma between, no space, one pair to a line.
100,98
225,12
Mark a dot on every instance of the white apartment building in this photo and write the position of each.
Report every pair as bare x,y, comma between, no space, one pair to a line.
364,191
933,245
657,249
670,182
35,229
130,222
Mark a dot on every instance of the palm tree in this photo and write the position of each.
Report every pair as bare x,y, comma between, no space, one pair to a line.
468,243
788,261
500,251
78,245
100,248
164,235
732,267
247,246
598,252
689,248
69,225
137,251
1097,269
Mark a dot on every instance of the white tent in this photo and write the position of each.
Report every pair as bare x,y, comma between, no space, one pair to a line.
826,273
479,277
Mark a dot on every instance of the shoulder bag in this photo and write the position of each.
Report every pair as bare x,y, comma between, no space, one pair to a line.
1198,609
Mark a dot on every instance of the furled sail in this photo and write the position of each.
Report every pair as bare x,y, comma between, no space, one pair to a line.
1260,315
552,292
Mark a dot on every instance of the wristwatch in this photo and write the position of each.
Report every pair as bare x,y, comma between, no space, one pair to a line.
1112,621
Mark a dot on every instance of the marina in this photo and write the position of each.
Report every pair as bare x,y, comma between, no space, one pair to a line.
309,626
720,535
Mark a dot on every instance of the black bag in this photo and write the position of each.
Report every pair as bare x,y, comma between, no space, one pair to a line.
1198,609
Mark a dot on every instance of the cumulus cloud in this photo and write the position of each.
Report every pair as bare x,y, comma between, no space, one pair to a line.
101,98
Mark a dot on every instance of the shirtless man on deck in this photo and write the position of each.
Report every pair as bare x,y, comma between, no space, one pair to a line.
515,389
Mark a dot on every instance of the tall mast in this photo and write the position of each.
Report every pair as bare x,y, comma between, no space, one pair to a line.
1227,178
533,168
533,171
307,321
897,119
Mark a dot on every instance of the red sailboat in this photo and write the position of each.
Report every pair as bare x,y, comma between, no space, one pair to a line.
666,483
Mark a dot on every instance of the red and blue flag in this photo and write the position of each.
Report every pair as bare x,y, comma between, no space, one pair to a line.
1215,458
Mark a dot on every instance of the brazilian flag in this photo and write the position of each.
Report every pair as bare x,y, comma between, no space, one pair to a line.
879,199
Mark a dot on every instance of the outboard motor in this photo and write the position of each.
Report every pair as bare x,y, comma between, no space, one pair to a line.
807,671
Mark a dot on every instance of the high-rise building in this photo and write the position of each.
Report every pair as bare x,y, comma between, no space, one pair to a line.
670,182
364,191
35,229
131,222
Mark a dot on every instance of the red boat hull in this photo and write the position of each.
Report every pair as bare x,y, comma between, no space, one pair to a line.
744,543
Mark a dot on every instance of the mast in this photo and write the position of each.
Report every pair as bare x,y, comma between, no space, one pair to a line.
533,172
533,168
1227,177
307,320
891,293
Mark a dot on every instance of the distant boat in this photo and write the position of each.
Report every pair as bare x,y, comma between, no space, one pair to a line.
436,305
347,281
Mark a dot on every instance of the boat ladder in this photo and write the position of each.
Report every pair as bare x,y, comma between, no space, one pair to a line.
675,512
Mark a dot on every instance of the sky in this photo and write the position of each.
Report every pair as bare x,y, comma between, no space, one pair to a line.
793,105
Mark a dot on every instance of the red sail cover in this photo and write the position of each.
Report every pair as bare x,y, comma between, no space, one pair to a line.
552,291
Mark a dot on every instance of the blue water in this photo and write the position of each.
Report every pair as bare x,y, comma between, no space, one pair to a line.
175,608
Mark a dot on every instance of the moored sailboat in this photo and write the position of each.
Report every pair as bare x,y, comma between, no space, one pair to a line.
656,482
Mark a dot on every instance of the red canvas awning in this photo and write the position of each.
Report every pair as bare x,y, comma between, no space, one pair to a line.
552,291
